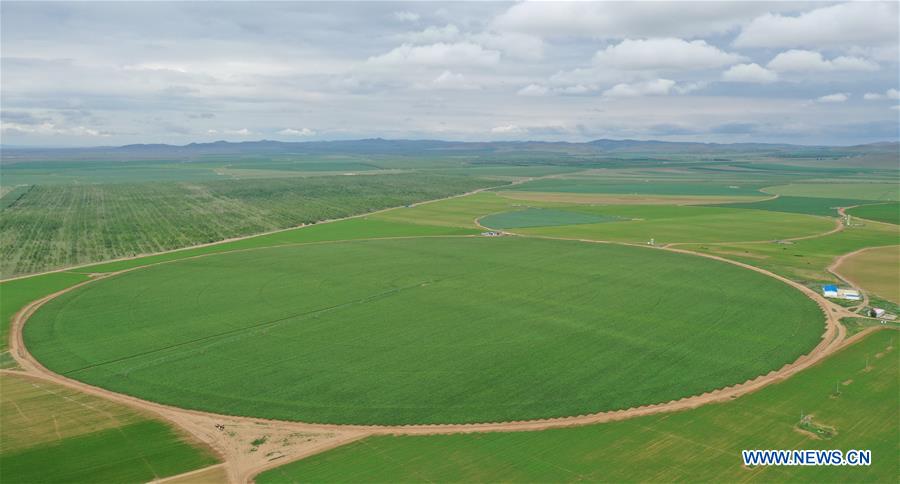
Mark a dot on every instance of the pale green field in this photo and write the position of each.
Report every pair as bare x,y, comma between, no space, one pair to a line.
49,433
875,270
862,191
664,223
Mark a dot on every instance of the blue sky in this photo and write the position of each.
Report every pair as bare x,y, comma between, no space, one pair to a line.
115,73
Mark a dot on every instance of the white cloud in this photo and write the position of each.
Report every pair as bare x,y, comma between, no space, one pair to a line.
862,23
684,88
809,61
297,132
533,90
875,96
405,16
432,35
452,81
48,128
507,129
837,97
658,87
516,45
576,89
663,54
754,73
629,19
440,54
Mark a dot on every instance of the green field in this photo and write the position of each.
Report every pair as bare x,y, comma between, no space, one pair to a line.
498,329
680,224
862,191
60,225
14,295
644,187
882,212
809,205
701,445
50,434
542,217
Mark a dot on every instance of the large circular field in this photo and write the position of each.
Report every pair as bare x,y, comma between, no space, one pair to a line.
429,330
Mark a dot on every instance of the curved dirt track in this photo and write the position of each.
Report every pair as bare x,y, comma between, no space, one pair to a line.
307,439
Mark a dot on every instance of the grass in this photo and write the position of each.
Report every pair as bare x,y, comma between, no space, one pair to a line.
647,186
876,271
861,191
62,225
514,329
809,205
541,217
52,434
700,445
680,224
881,212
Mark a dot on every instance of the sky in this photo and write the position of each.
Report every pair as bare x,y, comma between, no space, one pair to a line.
97,73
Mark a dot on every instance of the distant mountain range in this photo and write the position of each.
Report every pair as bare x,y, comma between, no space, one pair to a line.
379,146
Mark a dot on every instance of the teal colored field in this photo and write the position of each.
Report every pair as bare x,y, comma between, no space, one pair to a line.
808,205
701,445
863,191
882,212
680,224
649,187
457,329
541,217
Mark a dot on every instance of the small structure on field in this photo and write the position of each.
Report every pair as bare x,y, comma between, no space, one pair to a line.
876,312
833,291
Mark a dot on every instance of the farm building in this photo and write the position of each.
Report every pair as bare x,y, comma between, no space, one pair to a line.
831,290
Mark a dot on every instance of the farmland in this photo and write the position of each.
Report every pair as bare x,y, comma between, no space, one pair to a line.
185,333
700,445
50,433
826,207
587,185
53,226
678,224
880,212
874,270
807,260
541,217
407,316
864,191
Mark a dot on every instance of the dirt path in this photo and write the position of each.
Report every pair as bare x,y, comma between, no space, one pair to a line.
280,442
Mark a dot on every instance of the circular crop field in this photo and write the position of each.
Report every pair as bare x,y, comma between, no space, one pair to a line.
429,330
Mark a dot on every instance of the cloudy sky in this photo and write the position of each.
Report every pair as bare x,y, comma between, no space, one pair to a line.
115,73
